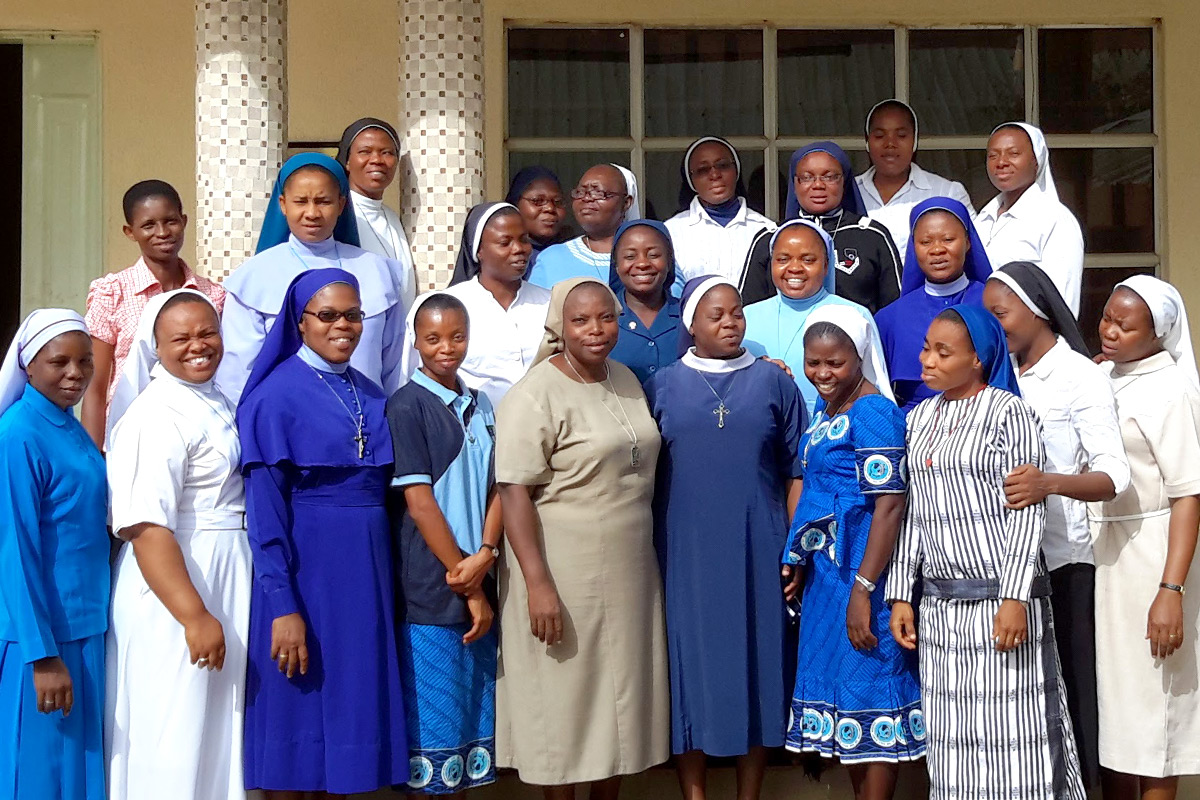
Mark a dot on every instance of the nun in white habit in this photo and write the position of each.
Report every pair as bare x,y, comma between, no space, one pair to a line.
1147,627
1026,221
176,650
370,151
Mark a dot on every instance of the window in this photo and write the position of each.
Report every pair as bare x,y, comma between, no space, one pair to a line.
639,95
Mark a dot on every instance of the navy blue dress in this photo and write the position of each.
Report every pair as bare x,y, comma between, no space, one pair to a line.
647,350
721,524
320,538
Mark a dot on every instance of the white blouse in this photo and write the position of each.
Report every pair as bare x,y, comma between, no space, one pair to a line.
190,429
705,247
894,214
503,340
380,232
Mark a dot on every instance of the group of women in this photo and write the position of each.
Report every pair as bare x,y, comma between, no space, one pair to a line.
695,489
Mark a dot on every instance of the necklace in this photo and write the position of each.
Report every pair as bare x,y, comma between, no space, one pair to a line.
721,410
849,397
356,415
933,427
635,454
466,431
779,336
303,263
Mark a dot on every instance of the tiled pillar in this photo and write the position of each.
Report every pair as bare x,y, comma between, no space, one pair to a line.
441,69
241,124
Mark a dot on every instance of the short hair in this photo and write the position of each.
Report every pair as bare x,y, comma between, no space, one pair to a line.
441,302
827,330
183,298
144,190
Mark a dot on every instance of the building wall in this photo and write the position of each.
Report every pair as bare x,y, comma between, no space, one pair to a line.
147,72
1179,108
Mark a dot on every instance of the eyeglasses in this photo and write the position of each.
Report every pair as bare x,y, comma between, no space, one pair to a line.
706,169
828,179
329,316
544,201
594,194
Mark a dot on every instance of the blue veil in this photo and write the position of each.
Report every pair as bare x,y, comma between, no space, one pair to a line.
976,267
991,346
851,197
275,229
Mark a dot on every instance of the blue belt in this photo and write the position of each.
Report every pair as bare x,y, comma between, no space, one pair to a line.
978,588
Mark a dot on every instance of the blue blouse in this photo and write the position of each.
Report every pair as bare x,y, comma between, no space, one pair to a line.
647,350
54,575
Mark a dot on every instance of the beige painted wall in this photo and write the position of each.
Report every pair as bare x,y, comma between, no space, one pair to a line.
147,72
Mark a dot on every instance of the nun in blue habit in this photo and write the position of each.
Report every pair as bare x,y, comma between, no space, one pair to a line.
941,275
54,575
728,478
293,240
317,458
774,326
642,278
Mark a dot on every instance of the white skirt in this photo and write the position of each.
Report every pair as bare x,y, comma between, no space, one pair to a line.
172,729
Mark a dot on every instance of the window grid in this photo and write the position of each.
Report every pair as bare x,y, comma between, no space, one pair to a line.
775,148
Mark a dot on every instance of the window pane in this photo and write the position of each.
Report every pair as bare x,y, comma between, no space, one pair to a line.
663,180
568,82
1096,81
968,167
1112,195
568,166
704,82
828,80
1098,284
967,81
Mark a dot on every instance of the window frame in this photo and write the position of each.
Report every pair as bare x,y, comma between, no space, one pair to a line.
774,147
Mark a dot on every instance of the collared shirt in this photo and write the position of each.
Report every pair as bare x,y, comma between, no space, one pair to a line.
1074,399
503,340
894,214
1042,232
647,350
443,439
54,576
116,301
705,247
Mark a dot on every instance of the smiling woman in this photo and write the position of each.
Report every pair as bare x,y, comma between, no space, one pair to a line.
370,151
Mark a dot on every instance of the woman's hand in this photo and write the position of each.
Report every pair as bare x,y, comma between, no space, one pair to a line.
779,364
52,686
793,576
206,641
1010,626
481,616
903,625
858,618
1164,624
467,576
288,650
545,613
1026,486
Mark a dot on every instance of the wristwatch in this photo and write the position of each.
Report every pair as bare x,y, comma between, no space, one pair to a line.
863,582
495,550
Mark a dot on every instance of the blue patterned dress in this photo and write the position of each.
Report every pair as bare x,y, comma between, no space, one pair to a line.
850,705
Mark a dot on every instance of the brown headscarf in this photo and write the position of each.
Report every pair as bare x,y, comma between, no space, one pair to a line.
552,339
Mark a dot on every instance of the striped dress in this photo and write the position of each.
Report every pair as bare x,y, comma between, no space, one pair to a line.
997,722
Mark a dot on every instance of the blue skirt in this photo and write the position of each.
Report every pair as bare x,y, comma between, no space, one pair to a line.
856,706
450,705
339,728
52,756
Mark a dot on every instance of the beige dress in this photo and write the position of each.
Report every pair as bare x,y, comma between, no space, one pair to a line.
596,704
1149,708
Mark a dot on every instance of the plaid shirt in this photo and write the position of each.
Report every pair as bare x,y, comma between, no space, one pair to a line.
116,301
